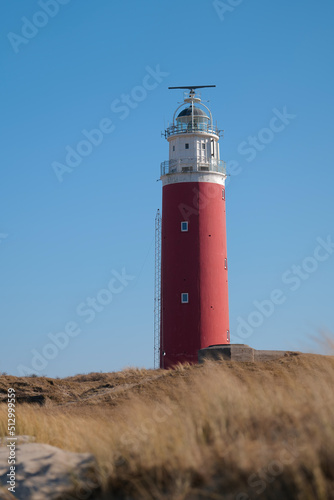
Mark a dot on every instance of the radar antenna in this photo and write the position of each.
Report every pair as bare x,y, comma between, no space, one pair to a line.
192,88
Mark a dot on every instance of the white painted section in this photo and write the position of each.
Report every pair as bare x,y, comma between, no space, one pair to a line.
213,177
177,146
200,160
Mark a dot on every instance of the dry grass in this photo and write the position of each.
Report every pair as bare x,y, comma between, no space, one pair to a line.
215,431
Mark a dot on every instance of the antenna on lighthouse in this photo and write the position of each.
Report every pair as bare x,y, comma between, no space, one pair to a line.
192,88
157,291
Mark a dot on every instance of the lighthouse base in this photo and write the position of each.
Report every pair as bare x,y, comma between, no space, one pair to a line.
238,352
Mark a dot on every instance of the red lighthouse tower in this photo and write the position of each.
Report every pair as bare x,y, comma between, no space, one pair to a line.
194,288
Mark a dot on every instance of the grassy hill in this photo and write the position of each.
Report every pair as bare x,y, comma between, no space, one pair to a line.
221,430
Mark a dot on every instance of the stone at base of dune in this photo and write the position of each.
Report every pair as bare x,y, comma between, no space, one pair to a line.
46,472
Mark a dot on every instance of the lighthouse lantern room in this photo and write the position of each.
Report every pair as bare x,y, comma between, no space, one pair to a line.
194,287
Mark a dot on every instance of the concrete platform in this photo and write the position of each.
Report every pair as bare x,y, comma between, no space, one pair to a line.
239,352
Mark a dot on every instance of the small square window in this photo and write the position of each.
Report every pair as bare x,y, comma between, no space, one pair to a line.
203,145
186,145
184,226
184,298
173,148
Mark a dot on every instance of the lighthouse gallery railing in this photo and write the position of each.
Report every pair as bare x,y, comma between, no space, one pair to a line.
192,165
189,128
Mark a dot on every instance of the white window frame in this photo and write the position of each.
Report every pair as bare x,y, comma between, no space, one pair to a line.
185,300
186,229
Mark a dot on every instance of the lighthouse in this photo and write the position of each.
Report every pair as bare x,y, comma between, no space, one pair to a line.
194,266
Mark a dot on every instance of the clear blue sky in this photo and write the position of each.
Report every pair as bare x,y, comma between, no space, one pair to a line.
63,242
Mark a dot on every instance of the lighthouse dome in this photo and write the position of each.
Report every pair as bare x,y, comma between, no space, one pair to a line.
192,119
198,112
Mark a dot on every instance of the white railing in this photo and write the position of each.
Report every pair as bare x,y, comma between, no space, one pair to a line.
188,128
192,165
